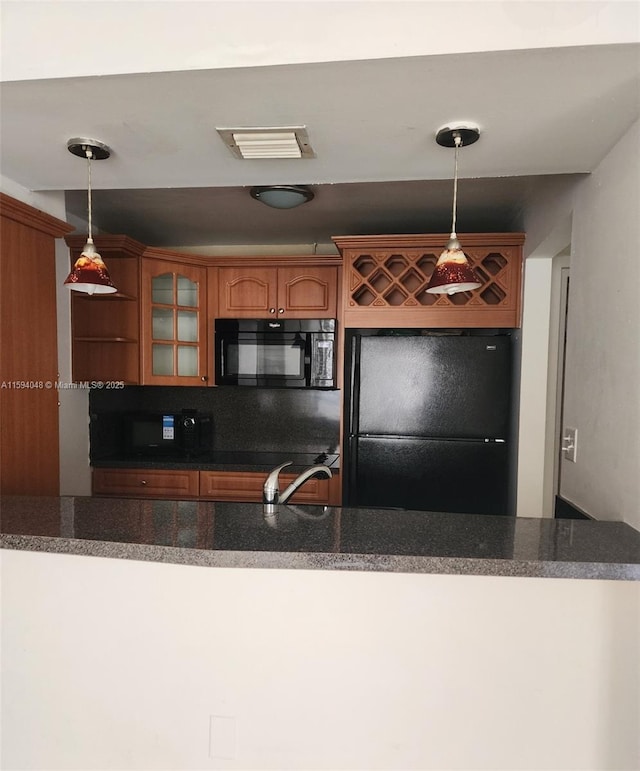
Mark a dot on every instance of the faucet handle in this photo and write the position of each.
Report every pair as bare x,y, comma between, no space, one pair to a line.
270,488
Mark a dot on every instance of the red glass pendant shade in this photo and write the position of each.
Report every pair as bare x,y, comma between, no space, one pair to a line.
452,272
90,274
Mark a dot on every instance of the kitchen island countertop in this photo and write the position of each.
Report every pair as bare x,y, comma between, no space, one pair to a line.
249,535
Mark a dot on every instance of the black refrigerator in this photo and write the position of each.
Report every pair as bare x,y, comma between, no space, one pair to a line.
428,420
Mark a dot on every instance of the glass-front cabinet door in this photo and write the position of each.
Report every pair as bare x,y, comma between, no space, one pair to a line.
174,307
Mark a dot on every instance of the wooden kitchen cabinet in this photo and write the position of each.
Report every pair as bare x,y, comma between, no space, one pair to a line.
385,279
105,336
146,483
174,323
296,291
247,486
210,485
29,459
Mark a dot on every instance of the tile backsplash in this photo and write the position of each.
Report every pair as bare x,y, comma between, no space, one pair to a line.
245,419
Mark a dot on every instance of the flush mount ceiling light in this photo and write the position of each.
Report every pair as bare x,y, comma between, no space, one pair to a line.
267,142
282,196
452,272
89,272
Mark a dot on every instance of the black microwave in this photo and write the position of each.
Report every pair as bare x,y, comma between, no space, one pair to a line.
168,434
276,353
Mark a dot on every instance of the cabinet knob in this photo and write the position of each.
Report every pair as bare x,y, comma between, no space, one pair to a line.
280,310
143,482
272,310
204,378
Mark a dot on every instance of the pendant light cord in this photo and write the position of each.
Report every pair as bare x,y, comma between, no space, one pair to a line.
89,154
458,143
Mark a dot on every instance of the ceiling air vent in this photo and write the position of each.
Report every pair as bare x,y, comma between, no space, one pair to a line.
271,142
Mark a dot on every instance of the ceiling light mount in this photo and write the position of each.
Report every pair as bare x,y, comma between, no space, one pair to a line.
79,146
282,196
460,135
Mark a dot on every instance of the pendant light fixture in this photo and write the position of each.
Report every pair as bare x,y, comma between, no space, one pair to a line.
89,272
452,272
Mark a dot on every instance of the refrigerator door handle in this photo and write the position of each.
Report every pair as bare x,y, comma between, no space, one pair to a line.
354,380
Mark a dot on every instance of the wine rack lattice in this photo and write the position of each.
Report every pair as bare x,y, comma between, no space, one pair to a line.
388,279
386,276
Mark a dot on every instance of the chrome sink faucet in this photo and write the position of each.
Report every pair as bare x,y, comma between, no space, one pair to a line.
271,492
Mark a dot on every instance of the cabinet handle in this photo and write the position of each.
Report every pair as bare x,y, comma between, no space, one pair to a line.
280,310
272,310
204,378
143,482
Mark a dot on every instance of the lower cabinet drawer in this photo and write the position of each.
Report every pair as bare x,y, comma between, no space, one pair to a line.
145,483
210,485
247,486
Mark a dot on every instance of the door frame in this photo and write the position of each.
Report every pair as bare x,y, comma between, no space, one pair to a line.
562,352
556,375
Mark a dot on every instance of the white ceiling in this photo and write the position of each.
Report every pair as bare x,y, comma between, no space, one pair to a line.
545,115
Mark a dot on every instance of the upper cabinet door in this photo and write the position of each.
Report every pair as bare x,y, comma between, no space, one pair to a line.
292,292
247,292
307,292
174,324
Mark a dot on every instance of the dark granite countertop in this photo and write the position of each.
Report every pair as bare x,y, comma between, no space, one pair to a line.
248,535
223,460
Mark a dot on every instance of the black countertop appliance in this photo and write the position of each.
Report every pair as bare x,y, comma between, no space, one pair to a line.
429,419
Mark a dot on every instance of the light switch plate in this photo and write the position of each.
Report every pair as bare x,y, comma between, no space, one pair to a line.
570,444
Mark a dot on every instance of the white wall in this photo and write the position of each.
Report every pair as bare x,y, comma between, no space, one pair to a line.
50,202
548,232
602,396
602,391
120,665
75,471
206,35
533,389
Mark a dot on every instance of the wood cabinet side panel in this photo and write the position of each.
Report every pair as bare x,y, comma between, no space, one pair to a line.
29,454
212,312
28,314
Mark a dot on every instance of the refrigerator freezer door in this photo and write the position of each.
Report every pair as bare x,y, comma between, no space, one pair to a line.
429,475
448,386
